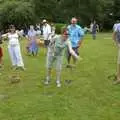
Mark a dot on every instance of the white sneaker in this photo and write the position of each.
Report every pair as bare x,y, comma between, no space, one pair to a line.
58,83
47,81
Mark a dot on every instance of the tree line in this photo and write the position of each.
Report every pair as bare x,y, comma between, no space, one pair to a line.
25,12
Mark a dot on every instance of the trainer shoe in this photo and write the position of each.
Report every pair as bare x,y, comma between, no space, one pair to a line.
58,84
47,81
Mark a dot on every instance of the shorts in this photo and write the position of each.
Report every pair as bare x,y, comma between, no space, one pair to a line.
54,61
1,52
75,49
46,43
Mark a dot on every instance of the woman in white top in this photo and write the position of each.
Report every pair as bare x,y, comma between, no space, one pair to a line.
55,55
14,48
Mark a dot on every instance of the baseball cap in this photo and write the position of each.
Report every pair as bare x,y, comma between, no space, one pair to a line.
44,21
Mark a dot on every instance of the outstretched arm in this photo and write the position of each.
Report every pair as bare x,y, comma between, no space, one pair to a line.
71,50
81,35
4,35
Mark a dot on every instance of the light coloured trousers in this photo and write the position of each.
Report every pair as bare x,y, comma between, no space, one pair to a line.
118,60
15,55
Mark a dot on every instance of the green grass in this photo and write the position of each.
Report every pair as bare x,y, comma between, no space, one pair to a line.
90,95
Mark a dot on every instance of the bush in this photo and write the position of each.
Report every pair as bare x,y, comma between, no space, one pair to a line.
17,13
58,27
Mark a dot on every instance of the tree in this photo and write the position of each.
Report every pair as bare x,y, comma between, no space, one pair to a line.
16,12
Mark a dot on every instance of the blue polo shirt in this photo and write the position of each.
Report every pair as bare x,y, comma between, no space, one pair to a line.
75,34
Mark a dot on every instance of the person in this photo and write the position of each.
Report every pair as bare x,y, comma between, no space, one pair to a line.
14,48
52,34
32,45
115,25
116,38
1,51
25,30
94,29
46,33
76,34
38,29
91,27
55,55
53,29
98,28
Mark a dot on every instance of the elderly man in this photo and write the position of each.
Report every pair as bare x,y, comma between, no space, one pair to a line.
46,33
76,34
116,38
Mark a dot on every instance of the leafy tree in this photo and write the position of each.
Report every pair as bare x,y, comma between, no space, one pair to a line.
22,12
16,12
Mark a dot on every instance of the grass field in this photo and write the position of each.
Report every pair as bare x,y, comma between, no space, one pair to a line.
91,95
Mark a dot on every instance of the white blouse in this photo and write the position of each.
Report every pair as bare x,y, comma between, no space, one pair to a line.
46,31
13,39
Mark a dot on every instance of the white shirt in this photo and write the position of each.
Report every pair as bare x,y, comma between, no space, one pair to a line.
46,31
91,27
13,39
116,27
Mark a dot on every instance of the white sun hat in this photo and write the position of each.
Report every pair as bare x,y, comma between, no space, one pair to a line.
44,21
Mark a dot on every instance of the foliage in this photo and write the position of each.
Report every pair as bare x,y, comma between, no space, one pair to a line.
105,12
58,27
16,12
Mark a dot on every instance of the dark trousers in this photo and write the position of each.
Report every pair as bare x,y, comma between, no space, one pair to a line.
76,50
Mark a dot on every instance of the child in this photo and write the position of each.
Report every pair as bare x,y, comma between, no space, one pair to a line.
32,45
55,54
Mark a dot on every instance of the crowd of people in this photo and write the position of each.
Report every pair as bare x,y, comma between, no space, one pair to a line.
69,42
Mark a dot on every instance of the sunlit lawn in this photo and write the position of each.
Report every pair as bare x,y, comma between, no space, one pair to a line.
90,94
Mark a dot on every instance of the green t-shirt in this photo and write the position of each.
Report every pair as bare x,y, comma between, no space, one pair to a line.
60,45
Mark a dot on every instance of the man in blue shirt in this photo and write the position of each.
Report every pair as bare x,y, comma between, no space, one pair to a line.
116,38
76,34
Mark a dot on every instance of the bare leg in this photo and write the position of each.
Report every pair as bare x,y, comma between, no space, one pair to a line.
69,58
74,61
118,67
